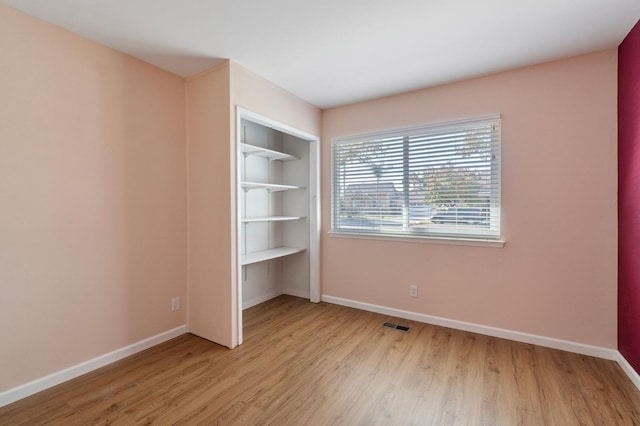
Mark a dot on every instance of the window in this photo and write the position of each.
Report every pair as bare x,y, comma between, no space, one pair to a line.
437,181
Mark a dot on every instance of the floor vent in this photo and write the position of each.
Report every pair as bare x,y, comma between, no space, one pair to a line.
396,326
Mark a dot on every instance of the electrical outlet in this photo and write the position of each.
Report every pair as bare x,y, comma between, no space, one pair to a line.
413,290
175,304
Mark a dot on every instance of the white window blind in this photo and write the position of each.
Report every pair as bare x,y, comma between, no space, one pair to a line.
440,180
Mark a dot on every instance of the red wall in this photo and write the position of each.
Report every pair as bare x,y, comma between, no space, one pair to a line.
629,197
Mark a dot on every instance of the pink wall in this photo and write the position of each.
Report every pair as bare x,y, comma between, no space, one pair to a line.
629,197
210,229
92,183
557,274
256,94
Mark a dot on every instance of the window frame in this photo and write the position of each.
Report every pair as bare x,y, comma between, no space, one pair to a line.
429,235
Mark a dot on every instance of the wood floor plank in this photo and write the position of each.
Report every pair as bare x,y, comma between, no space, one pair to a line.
320,364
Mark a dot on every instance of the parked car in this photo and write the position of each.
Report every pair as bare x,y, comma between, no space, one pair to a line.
466,215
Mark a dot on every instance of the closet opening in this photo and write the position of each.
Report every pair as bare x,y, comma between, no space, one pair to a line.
278,223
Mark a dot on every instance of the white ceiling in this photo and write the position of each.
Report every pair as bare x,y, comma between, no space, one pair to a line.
334,52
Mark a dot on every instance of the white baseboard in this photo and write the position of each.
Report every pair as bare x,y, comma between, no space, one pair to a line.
517,336
633,374
258,300
269,296
297,293
35,386
549,342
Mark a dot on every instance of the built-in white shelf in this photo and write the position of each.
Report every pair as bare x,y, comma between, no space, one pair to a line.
270,218
266,153
274,253
270,186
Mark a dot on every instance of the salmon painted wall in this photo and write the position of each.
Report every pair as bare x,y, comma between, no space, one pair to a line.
556,276
256,94
210,227
93,199
629,197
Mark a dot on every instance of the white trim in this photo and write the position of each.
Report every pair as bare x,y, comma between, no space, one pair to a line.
627,368
314,221
236,281
260,299
276,125
425,239
517,336
295,292
35,386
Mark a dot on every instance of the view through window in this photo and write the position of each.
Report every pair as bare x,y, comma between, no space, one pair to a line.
440,180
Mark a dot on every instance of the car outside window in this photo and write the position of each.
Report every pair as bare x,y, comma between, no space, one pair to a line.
438,180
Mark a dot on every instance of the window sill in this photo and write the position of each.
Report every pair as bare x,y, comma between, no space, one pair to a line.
421,239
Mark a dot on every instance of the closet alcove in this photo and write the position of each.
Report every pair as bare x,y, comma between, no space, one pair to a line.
278,211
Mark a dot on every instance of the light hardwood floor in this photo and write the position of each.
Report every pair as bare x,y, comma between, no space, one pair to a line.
321,364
